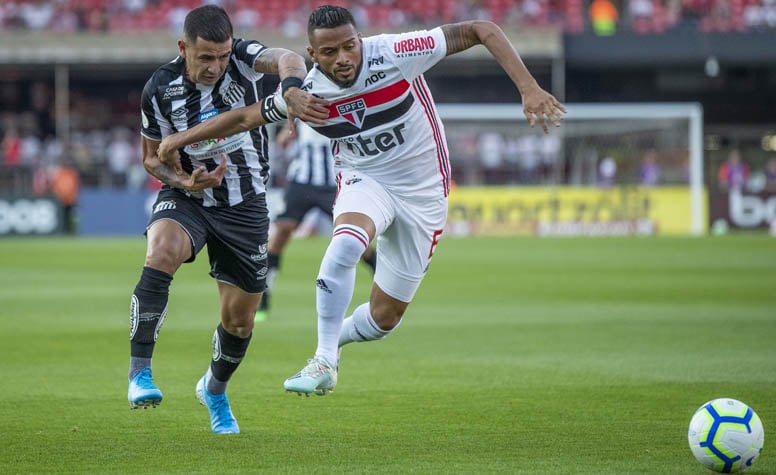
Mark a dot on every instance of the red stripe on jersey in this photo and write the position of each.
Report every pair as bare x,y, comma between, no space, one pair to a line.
421,90
374,98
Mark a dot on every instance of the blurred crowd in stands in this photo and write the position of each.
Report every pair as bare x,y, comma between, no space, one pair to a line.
108,154
289,16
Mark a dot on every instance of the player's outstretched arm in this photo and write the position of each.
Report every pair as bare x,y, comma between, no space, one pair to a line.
222,125
199,179
291,69
537,103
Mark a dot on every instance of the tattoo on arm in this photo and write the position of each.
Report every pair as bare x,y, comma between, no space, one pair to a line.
267,62
165,174
460,37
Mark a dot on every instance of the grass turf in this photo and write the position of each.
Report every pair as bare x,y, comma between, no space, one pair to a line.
556,356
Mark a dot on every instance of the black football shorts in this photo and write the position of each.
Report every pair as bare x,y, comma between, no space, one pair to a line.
236,236
301,198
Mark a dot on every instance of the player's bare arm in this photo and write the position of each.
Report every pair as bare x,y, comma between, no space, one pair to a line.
291,69
537,103
222,125
198,180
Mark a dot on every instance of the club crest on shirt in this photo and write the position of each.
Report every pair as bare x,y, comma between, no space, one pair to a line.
353,112
232,93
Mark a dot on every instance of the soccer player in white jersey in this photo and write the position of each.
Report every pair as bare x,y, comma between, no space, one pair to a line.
392,159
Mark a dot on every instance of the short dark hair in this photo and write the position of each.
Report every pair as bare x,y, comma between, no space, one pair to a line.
209,22
329,16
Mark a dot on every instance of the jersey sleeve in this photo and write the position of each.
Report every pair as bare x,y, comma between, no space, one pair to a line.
154,125
415,52
246,51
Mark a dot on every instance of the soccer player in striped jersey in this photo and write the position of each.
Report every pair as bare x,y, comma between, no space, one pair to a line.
214,196
392,161
311,185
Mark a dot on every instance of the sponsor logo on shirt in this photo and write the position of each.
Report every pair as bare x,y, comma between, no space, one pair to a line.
416,46
203,116
371,146
173,92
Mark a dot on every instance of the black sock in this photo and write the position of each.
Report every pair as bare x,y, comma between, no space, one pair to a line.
273,263
147,311
228,352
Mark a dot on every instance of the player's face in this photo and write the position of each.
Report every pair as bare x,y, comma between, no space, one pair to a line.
206,61
337,52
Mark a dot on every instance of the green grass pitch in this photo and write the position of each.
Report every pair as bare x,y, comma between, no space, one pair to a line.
522,356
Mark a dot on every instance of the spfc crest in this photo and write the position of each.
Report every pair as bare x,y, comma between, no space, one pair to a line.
353,112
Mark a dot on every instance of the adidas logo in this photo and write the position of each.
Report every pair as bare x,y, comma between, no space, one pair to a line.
321,284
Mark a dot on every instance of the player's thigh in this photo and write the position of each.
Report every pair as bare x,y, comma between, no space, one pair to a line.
360,195
405,249
237,244
176,231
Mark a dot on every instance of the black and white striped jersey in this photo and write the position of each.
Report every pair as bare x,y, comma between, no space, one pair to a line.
313,162
171,103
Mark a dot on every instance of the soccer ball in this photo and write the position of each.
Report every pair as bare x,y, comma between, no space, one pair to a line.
726,435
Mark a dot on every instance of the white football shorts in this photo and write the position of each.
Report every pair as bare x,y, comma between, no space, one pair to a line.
407,230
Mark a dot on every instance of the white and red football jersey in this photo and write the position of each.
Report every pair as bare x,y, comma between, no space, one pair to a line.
386,125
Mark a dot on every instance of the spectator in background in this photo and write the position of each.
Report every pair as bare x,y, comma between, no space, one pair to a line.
549,153
607,172
11,148
770,175
37,14
649,173
121,154
65,184
642,14
733,173
604,17
528,155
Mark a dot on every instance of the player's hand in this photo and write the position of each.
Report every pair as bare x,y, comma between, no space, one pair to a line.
306,106
169,156
539,104
201,179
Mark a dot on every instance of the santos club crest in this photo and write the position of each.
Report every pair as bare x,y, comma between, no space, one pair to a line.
353,112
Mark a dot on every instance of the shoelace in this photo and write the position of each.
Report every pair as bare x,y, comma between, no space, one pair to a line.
315,367
144,379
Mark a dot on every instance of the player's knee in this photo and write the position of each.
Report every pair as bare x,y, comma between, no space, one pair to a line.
347,244
386,317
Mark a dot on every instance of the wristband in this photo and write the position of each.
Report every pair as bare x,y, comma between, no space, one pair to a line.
270,111
288,83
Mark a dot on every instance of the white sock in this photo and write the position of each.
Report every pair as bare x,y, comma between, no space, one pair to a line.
335,285
362,327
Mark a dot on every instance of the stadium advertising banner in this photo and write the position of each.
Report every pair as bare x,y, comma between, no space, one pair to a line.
570,211
30,216
105,212
742,210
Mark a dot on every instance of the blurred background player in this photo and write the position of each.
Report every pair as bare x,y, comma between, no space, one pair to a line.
311,184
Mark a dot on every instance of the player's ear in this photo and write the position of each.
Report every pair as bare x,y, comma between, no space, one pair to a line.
311,53
182,48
